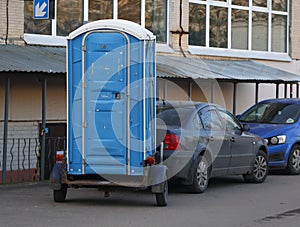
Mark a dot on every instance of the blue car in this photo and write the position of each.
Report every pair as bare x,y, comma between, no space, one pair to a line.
278,122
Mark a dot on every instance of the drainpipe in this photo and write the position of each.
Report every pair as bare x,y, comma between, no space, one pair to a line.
181,32
5,130
181,28
44,95
7,22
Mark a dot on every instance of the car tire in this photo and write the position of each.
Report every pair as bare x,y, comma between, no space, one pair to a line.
60,195
260,170
162,198
293,166
201,174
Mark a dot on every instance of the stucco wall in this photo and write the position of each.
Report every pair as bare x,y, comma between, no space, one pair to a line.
295,29
25,105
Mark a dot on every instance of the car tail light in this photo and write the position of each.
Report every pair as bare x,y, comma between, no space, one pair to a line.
171,142
59,156
150,160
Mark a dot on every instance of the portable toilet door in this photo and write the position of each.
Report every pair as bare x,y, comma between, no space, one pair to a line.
111,98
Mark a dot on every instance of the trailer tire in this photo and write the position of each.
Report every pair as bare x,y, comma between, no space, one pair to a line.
162,198
60,195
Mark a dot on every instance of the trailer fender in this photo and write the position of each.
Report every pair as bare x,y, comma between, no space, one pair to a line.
55,177
157,178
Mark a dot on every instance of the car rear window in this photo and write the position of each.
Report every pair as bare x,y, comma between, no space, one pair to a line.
174,116
272,113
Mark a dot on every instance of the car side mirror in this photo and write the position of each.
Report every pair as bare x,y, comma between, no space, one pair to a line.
246,127
237,116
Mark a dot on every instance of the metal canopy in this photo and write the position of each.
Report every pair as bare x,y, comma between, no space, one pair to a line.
15,58
53,60
229,70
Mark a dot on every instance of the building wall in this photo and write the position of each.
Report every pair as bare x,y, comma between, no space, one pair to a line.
25,101
295,29
223,92
2,95
179,41
179,25
25,116
56,100
25,105
15,22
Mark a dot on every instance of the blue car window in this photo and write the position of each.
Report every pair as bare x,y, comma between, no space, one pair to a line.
272,113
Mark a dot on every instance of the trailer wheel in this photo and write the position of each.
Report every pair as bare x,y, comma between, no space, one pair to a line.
162,198
60,195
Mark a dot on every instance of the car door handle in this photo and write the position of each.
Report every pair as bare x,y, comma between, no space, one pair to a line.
232,139
211,138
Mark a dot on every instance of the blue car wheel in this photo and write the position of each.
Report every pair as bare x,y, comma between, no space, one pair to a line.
293,166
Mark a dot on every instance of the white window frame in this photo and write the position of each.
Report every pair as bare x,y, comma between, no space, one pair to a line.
229,52
54,40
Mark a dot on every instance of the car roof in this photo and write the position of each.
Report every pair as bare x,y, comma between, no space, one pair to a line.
180,104
282,100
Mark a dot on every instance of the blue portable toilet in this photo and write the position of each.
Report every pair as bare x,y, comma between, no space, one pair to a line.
111,98
111,131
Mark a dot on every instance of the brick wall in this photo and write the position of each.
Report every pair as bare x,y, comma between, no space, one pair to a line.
295,29
15,19
179,25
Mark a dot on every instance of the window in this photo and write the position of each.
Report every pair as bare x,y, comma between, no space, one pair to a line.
260,3
197,32
130,10
260,26
66,16
259,31
240,2
37,26
156,19
280,5
100,9
218,29
230,123
211,120
272,113
69,16
239,29
279,30
197,122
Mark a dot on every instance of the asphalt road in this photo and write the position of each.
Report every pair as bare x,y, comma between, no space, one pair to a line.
228,202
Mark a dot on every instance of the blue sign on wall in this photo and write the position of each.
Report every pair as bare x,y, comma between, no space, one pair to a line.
41,9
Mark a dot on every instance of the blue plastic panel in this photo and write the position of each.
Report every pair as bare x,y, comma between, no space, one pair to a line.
111,103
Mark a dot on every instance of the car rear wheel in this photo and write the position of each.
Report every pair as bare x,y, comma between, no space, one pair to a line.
200,175
293,166
260,169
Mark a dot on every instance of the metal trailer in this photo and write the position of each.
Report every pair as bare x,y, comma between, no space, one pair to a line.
111,89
